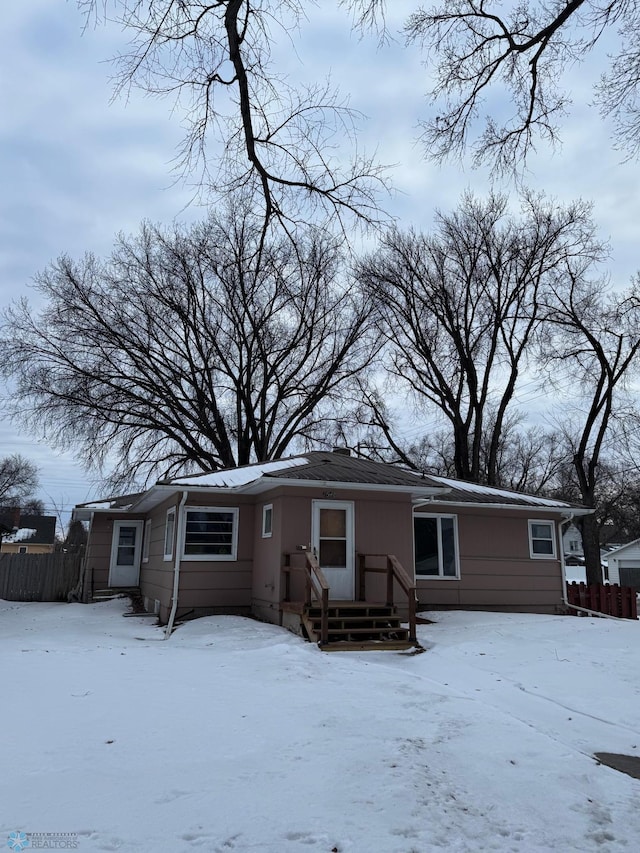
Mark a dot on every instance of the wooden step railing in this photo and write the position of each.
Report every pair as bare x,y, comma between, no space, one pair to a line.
315,585
394,571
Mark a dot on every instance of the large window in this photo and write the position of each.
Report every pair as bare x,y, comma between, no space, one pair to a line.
436,546
211,533
542,540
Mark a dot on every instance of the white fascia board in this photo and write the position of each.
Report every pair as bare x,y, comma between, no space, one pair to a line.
562,510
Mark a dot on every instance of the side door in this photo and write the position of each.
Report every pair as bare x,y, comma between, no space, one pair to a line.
126,549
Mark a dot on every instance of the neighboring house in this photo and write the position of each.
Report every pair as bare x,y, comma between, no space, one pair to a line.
624,564
242,540
33,534
572,545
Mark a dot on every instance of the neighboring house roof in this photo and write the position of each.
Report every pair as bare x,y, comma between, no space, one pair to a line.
33,530
615,551
9,519
332,469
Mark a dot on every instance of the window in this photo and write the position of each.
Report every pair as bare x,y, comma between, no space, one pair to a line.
436,546
22,549
542,542
169,533
267,521
211,533
146,541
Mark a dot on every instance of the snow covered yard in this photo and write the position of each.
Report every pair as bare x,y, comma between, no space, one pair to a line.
237,736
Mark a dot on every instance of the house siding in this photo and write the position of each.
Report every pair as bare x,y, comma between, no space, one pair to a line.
382,525
98,556
496,570
218,586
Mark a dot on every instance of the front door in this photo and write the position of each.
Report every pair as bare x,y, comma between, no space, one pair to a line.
126,546
332,540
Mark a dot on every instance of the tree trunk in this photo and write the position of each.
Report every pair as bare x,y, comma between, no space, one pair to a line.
591,545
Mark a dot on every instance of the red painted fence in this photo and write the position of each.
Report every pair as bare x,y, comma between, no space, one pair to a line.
611,599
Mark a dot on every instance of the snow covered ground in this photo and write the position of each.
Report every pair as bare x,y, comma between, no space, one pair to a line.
238,736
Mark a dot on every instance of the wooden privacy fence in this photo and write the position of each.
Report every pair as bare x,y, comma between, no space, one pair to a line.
610,599
39,577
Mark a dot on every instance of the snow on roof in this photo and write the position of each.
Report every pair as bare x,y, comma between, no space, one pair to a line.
233,477
492,492
20,535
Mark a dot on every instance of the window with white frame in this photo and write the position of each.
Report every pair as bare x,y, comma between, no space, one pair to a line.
436,545
211,533
146,541
267,521
169,533
542,540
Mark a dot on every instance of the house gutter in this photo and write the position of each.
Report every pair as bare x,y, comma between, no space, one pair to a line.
567,520
176,566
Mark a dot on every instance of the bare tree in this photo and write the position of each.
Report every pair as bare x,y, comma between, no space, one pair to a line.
281,143
477,49
189,350
459,309
592,346
18,480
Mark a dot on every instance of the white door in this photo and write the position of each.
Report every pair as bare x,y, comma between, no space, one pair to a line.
126,546
332,540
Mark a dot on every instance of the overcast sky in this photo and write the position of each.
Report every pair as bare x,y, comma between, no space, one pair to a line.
76,168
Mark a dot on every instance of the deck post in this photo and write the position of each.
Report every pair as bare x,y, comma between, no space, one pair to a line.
362,589
389,583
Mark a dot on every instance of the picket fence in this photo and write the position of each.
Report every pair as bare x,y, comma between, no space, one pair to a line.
39,577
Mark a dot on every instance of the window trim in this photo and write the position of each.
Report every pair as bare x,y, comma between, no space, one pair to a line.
169,552
23,549
146,541
267,534
439,576
552,539
216,558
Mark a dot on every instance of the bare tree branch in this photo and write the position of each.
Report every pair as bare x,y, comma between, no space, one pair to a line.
190,350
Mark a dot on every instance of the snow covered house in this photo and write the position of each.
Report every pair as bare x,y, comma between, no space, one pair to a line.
31,534
297,540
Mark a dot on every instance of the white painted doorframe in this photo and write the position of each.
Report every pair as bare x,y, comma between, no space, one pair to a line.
341,579
122,572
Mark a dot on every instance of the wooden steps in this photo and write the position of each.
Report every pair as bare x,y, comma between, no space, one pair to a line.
357,626
115,592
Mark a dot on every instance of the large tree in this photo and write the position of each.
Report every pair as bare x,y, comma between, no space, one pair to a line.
592,348
478,51
18,480
191,349
247,127
459,309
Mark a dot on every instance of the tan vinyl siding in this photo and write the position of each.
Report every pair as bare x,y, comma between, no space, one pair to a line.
496,570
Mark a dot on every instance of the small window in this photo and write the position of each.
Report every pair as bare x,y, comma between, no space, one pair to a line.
22,549
542,543
267,521
169,533
146,541
436,546
211,533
